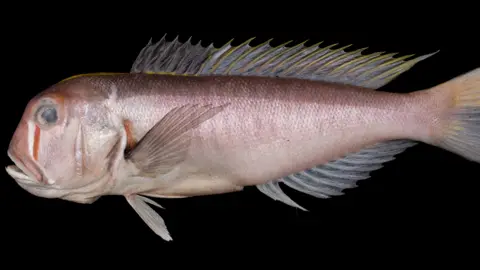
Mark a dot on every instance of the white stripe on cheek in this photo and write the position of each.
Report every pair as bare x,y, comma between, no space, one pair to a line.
78,152
31,137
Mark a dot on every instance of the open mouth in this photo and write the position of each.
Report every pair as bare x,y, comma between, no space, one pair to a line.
18,174
27,182
23,171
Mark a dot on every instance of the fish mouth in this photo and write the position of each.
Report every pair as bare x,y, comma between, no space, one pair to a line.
18,174
24,171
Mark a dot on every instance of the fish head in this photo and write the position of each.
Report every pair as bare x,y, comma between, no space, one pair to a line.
65,143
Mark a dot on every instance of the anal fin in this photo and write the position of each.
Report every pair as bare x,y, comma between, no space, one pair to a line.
331,179
273,190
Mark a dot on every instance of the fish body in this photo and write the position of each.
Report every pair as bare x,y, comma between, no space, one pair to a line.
308,117
267,128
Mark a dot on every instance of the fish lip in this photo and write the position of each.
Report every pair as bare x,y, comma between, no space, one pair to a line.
28,168
16,173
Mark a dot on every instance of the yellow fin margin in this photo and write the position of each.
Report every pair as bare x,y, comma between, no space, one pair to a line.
313,62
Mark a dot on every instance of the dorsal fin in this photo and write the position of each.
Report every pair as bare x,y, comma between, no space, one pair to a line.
326,63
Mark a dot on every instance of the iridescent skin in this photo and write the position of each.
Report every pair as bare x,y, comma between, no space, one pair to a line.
271,127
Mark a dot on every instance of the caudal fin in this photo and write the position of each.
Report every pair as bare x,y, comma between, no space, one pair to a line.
460,128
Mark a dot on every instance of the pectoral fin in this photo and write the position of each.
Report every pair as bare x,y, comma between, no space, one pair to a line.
167,143
148,215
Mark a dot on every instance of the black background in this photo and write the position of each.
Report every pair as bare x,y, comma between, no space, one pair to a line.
426,196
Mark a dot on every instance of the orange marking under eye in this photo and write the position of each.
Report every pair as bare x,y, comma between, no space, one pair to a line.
131,142
36,142
59,98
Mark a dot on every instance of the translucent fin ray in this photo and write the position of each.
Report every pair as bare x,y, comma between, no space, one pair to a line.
273,190
315,62
151,218
166,144
331,179
461,131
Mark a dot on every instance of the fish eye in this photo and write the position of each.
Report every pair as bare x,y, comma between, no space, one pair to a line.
47,115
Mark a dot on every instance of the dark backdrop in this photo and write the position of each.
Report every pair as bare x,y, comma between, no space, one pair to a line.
425,196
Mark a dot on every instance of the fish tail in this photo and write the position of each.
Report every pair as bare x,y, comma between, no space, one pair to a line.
459,124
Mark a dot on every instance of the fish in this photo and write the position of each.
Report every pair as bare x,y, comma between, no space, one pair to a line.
190,120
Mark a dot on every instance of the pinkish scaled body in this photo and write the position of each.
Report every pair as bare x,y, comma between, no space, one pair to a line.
173,136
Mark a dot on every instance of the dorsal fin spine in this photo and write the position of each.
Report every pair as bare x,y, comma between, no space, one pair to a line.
304,58
330,54
214,52
393,70
378,58
271,50
229,52
293,56
311,55
389,62
280,55
356,61
252,49
346,55
318,59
